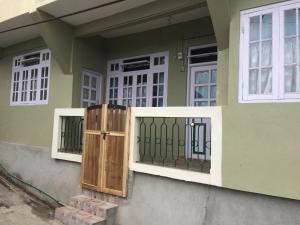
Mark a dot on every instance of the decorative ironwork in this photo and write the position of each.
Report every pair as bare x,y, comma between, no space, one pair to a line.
175,142
71,131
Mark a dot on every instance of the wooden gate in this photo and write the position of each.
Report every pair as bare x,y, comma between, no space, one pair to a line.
105,149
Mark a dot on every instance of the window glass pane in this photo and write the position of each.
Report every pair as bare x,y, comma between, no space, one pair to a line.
266,81
253,82
162,60
213,91
86,81
111,82
290,50
160,102
138,92
201,77
254,55
267,26
85,93
161,90
93,95
254,28
155,78
290,79
154,102
94,82
201,92
213,78
290,22
124,92
144,91
154,91
161,77
129,92
144,102
266,53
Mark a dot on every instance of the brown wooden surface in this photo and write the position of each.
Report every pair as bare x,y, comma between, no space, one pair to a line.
105,155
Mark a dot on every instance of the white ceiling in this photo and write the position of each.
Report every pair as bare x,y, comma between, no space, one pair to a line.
157,23
59,8
16,36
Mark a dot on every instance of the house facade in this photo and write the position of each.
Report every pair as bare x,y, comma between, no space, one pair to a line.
219,79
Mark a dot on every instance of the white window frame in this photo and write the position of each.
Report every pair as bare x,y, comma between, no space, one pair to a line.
153,69
278,94
98,89
19,69
56,137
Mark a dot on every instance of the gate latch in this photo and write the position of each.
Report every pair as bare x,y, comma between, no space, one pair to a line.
104,133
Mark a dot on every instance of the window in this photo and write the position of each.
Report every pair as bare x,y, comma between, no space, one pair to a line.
270,53
30,78
90,88
139,81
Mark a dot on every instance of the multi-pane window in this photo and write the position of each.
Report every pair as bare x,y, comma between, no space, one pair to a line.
30,78
90,88
139,81
270,53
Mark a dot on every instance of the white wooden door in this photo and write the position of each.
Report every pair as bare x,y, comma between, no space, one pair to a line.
202,92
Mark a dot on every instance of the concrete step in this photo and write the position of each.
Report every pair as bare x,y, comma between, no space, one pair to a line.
95,207
71,216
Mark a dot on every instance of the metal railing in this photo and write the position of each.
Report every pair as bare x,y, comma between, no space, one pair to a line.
71,134
182,143
175,142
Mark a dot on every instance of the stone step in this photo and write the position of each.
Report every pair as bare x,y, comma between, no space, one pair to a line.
71,216
95,207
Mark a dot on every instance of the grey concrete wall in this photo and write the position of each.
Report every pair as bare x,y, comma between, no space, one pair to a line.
34,165
153,200
156,200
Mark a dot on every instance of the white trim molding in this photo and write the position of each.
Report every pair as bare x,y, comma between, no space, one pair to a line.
214,113
58,114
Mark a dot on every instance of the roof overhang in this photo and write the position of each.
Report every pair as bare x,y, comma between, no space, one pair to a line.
12,36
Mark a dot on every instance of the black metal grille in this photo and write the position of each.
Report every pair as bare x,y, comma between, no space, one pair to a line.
175,142
71,130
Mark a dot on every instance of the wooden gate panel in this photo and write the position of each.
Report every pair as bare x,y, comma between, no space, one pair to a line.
91,160
114,158
105,153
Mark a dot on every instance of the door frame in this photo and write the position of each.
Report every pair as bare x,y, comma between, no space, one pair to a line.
99,78
190,79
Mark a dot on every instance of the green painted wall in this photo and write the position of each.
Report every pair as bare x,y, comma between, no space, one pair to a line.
260,141
31,125
172,38
89,53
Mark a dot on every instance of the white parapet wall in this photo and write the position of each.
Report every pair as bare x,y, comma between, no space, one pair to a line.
214,113
58,114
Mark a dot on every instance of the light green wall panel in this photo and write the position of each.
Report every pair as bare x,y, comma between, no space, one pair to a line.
31,125
260,141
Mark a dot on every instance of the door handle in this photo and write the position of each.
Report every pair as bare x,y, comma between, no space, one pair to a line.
104,133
